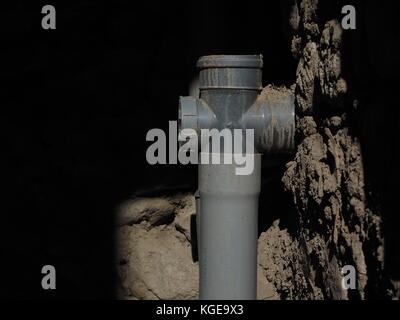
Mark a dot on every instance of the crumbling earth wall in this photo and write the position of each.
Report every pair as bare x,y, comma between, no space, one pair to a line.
337,225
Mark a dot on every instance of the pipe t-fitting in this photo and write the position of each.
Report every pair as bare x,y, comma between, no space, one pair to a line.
230,98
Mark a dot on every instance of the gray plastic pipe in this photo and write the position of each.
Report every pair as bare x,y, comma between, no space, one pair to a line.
227,203
228,231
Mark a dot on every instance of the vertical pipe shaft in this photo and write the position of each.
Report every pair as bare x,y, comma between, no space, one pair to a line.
228,231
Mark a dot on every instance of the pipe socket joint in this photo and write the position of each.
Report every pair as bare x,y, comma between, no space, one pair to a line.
240,72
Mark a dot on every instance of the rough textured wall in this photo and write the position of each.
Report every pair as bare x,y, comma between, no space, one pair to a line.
336,224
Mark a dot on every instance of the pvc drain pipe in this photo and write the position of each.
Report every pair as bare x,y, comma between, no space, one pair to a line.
228,231
227,203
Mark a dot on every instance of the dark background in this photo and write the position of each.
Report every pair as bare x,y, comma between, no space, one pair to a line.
77,102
